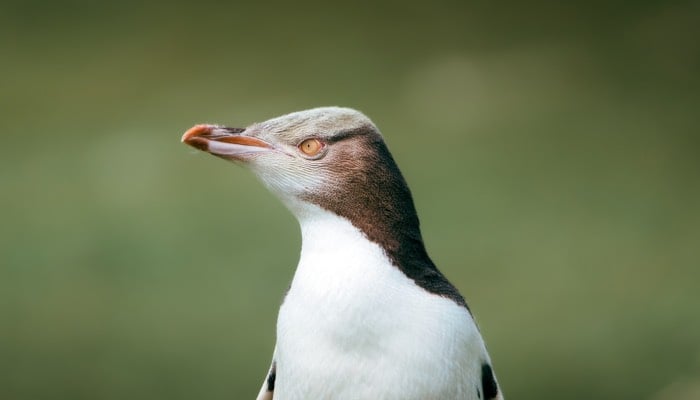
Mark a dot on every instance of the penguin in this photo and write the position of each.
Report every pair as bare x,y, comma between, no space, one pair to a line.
367,315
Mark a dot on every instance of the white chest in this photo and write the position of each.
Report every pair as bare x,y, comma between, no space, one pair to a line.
353,326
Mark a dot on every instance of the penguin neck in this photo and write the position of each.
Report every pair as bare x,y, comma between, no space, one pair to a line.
375,199
371,193
336,249
331,236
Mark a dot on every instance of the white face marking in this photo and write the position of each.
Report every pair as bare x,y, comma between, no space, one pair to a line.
350,313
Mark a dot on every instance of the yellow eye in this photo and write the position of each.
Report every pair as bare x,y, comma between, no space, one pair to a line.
311,147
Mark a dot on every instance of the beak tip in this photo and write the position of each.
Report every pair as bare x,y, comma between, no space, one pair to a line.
195,131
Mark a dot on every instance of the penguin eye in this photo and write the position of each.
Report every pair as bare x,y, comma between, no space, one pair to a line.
311,147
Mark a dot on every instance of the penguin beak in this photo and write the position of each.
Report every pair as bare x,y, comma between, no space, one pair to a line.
224,142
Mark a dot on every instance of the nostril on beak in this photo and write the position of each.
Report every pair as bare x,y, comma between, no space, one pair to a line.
231,130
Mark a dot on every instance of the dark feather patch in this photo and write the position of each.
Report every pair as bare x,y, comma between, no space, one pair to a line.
488,382
271,378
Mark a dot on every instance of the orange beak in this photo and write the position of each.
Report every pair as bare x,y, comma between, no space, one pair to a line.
223,141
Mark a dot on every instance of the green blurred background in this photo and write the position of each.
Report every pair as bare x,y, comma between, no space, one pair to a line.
552,149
